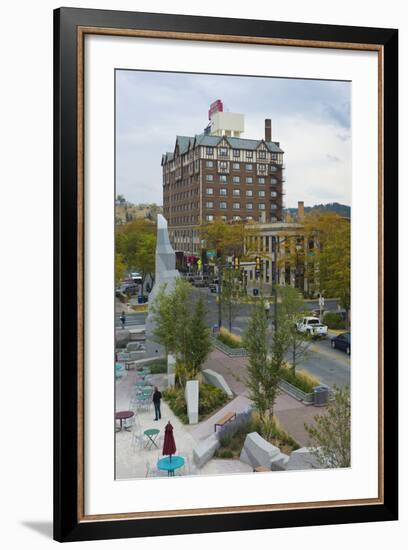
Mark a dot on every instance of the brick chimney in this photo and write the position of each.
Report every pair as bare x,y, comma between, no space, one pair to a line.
268,129
301,211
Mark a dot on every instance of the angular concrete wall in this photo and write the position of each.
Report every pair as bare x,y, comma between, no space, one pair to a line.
205,450
191,393
257,451
217,380
303,459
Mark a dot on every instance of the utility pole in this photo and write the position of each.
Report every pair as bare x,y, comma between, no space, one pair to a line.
219,292
275,282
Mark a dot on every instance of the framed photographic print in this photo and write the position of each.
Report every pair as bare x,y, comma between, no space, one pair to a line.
225,219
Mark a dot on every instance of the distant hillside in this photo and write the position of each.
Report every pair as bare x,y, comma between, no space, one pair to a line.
341,209
127,212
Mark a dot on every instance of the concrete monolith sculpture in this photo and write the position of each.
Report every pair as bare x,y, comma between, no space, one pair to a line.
165,275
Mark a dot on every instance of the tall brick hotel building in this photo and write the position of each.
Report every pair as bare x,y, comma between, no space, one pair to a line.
219,174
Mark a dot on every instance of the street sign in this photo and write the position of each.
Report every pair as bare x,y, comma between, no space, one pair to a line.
211,253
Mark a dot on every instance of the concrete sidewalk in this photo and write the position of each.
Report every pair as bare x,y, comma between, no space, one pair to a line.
292,414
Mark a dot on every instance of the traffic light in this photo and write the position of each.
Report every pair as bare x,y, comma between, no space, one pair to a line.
235,263
258,266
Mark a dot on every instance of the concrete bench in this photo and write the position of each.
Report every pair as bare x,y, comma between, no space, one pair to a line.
224,419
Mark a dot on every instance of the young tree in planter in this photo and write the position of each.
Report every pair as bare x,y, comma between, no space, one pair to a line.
181,328
164,328
291,308
330,437
199,338
262,371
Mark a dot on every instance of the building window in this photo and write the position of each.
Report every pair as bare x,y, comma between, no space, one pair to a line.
223,151
273,168
249,154
210,191
249,205
235,193
235,152
261,181
274,219
248,167
273,207
223,166
209,177
261,193
249,218
274,194
261,206
236,179
248,193
236,218
197,165
223,192
274,156
209,218
224,218
274,181
236,205
209,204
210,150
249,179
209,164
262,154
262,168
235,166
223,179
223,205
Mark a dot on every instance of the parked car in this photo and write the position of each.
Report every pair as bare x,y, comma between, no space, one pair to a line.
136,277
342,341
312,326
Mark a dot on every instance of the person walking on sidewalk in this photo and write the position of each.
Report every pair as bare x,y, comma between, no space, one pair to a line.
156,402
123,319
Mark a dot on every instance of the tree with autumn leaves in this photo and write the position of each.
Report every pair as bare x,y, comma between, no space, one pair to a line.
135,248
330,256
226,237
327,261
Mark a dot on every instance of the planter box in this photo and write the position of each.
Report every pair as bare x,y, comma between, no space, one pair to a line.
231,352
306,398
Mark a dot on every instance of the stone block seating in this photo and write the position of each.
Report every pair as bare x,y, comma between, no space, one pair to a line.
303,459
258,452
135,346
217,380
205,450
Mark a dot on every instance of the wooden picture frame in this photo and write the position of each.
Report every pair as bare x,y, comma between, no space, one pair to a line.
70,27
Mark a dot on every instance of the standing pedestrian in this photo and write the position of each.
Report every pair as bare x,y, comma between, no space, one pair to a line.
156,402
123,319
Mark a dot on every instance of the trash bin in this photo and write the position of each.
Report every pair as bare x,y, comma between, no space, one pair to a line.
255,291
321,395
140,299
215,329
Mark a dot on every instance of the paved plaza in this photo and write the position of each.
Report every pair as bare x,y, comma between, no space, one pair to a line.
137,456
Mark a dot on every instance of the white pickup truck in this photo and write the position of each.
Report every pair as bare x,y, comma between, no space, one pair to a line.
312,326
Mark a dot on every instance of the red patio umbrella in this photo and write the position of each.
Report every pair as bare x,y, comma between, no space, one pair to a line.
169,445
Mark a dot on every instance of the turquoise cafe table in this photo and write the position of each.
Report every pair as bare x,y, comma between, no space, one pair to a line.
170,465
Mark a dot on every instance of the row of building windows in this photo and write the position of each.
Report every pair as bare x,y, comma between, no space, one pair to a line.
237,179
237,205
223,152
223,192
211,217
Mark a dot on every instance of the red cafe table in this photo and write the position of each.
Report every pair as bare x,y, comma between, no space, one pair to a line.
121,416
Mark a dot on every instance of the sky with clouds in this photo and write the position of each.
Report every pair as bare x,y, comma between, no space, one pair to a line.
310,119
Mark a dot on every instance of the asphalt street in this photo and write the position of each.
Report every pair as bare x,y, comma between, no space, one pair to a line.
331,366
